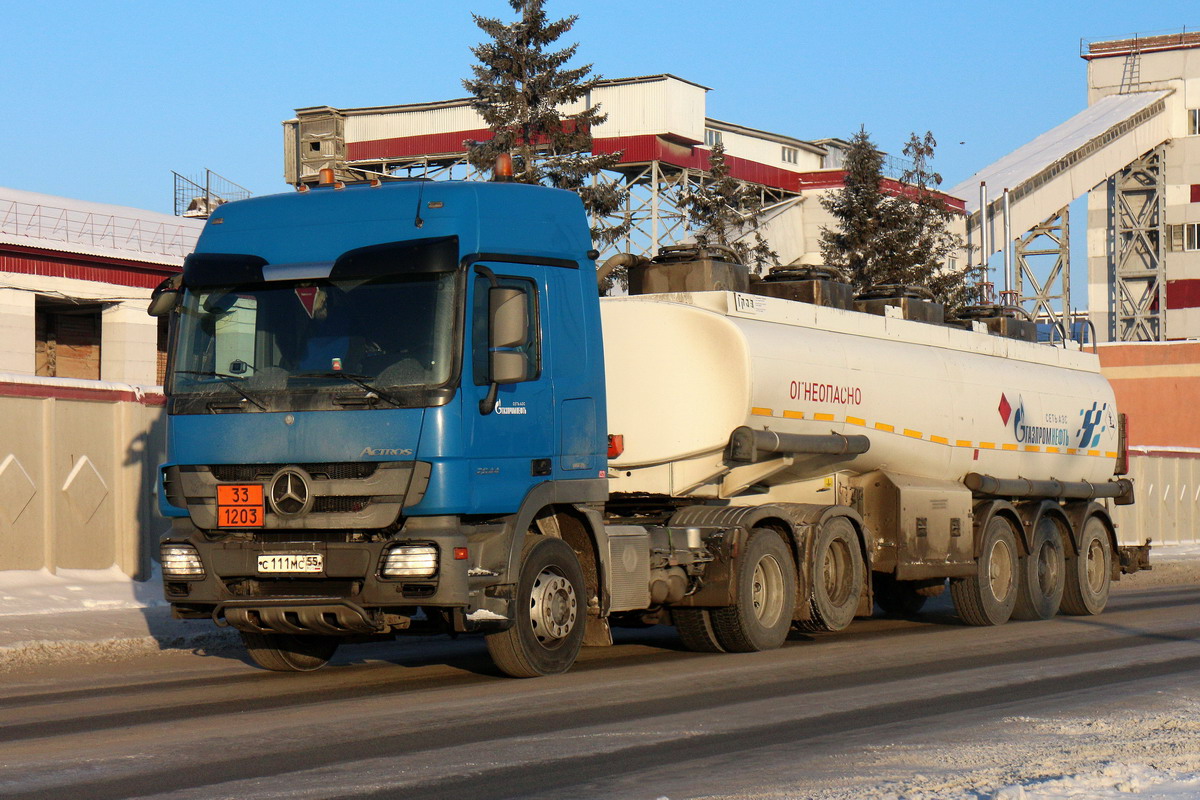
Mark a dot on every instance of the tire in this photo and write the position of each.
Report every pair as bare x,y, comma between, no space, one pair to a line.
988,597
837,577
1043,574
1089,574
695,629
286,652
899,598
550,610
766,596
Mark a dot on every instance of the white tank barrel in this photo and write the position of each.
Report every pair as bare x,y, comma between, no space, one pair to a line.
684,371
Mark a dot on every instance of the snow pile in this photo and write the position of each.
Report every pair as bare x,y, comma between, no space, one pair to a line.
32,592
1113,780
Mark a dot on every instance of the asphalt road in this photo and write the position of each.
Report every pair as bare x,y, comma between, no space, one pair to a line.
642,719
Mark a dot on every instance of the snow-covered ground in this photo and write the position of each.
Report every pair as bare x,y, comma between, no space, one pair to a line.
37,592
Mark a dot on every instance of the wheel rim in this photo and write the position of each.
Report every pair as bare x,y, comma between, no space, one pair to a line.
553,607
1047,569
766,591
837,562
1095,566
1000,571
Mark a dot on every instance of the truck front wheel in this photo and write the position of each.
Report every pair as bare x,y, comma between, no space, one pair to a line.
550,614
766,596
285,652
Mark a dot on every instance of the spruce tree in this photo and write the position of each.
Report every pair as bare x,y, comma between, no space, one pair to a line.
726,211
861,244
895,238
520,88
927,243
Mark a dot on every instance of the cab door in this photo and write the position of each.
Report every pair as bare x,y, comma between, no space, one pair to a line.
511,440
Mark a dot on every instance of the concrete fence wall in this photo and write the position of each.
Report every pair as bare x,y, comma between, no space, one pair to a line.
78,462
1167,492
77,474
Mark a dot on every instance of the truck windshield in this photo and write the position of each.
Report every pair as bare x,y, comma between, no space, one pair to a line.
258,342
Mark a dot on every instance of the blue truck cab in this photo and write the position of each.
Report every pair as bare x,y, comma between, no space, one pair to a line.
374,392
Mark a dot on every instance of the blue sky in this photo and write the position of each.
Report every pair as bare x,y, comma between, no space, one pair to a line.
102,100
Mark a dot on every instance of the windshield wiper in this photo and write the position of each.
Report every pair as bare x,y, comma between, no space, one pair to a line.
357,380
229,380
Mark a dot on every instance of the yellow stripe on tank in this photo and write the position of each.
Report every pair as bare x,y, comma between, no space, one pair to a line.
762,412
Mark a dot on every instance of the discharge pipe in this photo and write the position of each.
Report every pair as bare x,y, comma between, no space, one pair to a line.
1022,487
747,444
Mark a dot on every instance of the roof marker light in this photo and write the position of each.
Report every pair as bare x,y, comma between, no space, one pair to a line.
503,170
326,176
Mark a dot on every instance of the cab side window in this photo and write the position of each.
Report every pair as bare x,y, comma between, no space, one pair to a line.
532,350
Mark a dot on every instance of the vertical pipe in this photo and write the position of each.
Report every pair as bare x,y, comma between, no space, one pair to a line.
1007,245
984,251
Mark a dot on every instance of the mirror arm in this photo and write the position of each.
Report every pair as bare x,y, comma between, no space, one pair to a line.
488,404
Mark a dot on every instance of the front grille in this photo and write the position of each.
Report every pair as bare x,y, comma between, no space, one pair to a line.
339,505
336,471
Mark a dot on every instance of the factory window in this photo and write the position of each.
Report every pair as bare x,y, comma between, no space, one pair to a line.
791,155
711,137
1191,236
1194,128
66,339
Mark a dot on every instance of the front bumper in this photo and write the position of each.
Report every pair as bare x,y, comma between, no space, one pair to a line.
348,595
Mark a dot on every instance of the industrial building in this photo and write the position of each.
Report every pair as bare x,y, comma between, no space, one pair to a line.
657,122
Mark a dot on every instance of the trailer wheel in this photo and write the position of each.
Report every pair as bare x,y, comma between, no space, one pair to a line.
988,597
695,629
1043,574
286,652
550,616
766,596
1089,574
837,577
901,598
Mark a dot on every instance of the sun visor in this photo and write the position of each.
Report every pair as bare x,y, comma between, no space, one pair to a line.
433,255
222,269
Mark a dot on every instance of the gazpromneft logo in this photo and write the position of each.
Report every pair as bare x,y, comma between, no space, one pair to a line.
516,408
1089,436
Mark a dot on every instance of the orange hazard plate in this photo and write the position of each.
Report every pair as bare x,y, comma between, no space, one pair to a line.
240,505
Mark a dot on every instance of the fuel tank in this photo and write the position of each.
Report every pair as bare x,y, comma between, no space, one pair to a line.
684,370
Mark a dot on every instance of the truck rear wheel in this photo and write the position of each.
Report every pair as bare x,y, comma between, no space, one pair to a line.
988,597
902,598
1089,574
286,652
837,577
766,596
550,614
1043,574
695,629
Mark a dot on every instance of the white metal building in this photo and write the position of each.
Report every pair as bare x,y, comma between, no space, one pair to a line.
75,277
659,124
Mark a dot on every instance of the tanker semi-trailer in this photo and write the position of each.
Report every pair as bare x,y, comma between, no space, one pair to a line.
400,407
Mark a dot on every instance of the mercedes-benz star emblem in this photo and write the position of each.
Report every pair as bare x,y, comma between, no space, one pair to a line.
290,496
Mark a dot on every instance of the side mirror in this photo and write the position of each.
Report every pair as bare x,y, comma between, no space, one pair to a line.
508,311
165,296
509,314
508,340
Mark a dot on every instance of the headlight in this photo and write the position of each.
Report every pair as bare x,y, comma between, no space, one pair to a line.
181,561
410,561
